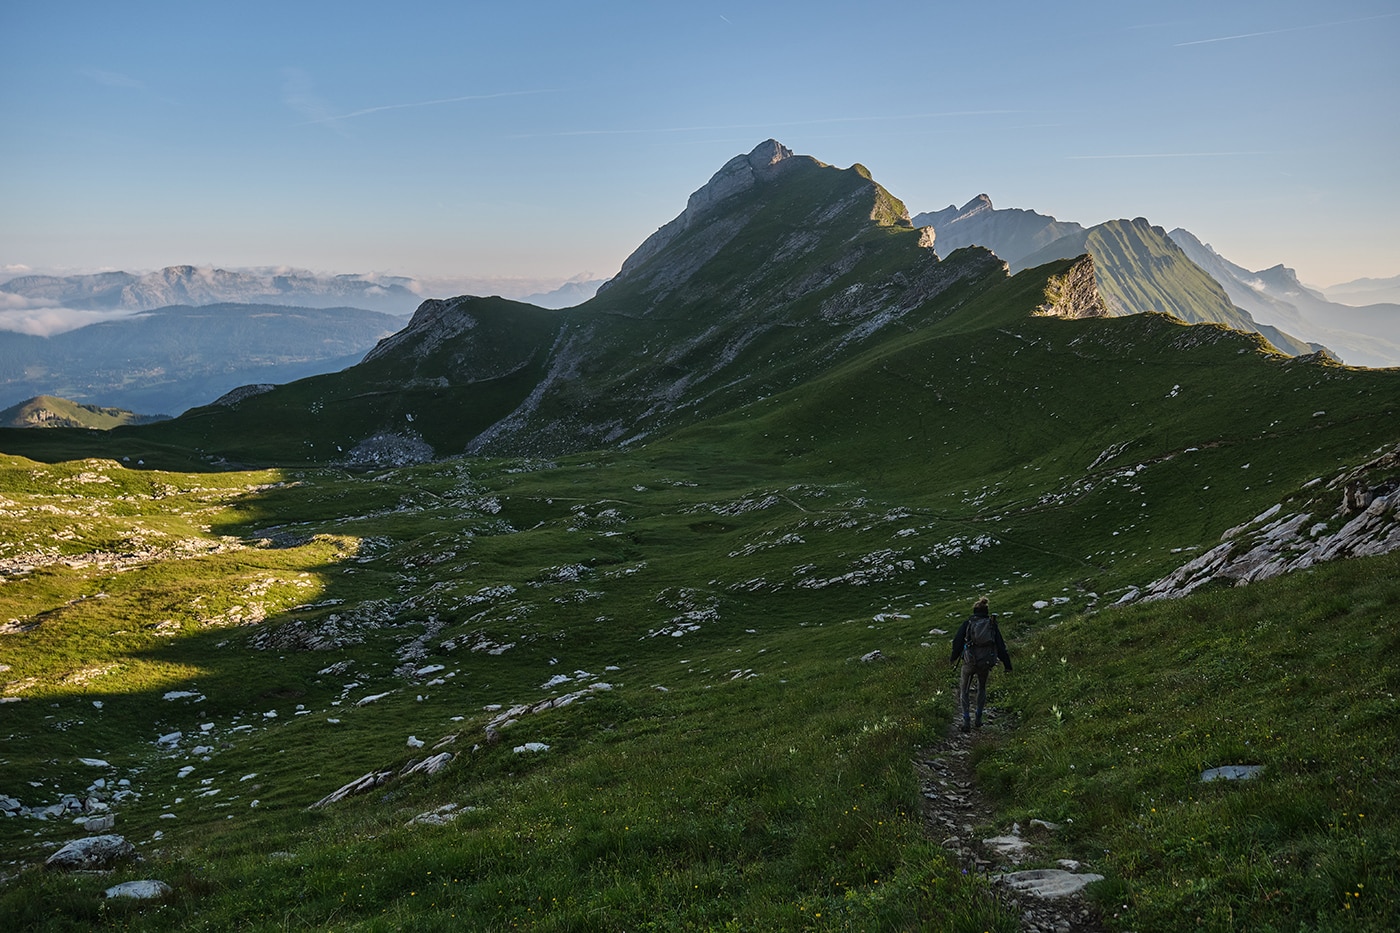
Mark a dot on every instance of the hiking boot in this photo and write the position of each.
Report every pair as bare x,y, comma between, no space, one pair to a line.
964,727
977,725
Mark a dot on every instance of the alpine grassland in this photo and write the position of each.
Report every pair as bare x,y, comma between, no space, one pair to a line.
664,650
1120,713
728,760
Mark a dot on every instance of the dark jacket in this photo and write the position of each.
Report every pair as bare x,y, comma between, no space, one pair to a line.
960,641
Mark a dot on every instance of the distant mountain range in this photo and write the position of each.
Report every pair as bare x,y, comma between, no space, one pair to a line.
568,295
1142,268
1365,292
169,359
1362,336
193,285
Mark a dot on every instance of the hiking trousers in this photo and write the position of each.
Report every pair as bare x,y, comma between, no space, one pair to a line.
969,672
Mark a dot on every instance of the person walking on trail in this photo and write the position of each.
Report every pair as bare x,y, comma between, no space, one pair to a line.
979,644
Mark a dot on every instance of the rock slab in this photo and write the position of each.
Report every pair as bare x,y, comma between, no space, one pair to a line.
139,890
1048,883
90,853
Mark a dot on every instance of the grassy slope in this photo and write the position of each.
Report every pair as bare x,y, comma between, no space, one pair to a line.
1121,712
61,411
439,396
795,535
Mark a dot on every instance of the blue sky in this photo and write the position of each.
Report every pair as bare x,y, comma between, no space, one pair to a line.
543,140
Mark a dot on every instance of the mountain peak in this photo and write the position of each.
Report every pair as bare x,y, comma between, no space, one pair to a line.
978,204
766,161
768,154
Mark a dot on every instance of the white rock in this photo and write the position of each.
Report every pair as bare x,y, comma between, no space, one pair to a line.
1231,773
531,747
99,824
170,738
429,765
94,762
372,698
1011,846
92,852
415,742
141,890
1047,882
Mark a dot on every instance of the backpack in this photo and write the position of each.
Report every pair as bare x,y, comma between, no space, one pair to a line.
980,648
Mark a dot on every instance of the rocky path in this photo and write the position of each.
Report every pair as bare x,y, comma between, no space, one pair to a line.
1048,899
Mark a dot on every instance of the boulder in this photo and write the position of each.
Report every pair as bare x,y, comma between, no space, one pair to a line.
140,890
91,852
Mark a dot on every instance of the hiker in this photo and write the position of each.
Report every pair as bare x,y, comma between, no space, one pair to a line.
978,642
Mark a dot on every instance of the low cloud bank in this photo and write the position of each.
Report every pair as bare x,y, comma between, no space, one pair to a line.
40,320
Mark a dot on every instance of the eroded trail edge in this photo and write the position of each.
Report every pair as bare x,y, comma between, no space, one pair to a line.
1021,863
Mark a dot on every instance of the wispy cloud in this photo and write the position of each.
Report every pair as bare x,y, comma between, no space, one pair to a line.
300,95
1275,32
726,127
112,78
431,103
1171,155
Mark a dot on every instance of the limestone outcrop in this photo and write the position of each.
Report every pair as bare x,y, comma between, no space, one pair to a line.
1365,523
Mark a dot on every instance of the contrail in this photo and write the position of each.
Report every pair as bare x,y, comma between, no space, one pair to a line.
769,125
1275,32
426,103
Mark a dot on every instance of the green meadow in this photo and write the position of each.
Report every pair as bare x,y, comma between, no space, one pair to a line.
728,760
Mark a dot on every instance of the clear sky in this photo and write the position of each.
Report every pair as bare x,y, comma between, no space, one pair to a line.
541,139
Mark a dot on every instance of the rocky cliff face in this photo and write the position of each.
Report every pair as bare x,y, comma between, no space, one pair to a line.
435,322
1075,294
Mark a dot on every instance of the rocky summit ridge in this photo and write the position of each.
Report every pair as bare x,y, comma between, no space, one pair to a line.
740,173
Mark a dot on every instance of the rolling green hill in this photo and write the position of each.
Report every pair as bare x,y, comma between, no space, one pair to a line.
684,679
46,411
